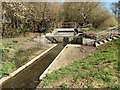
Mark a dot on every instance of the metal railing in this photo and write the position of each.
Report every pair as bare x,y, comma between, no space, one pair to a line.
73,25
67,25
107,33
88,25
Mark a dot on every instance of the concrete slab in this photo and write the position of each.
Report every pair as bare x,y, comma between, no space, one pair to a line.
118,35
88,41
73,45
109,39
101,42
96,44
114,37
105,41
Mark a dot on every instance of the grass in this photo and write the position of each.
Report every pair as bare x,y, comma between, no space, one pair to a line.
90,29
20,58
7,50
64,85
15,41
7,68
15,52
101,68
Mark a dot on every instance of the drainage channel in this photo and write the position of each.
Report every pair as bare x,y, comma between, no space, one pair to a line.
29,77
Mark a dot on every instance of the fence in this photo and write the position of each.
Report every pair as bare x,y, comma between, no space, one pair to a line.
67,25
107,33
85,26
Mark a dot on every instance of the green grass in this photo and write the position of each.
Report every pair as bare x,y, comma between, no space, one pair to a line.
7,68
15,41
64,85
9,64
7,50
7,45
90,29
21,56
100,67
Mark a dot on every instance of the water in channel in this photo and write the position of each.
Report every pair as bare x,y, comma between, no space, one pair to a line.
29,77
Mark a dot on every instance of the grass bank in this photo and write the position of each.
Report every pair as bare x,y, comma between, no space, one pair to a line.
20,58
99,70
90,29
18,51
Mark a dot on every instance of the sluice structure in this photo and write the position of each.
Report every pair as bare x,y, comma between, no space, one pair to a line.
68,33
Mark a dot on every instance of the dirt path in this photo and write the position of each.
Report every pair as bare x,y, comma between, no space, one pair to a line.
70,54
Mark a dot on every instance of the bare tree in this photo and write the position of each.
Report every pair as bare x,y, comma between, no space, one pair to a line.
86,12
114,7
28,16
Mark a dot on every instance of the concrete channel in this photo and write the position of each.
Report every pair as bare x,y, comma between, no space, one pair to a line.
29,77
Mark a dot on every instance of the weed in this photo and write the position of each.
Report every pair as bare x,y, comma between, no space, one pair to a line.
86,67
15,41
98,48
7,68
106,78
91,29
5,73
104,51
7,50
8,44
117,66
44,83
54,76
3,59
22,58
114,80
30,39
89,83
111,60
75,79
115,86
1,51
64,85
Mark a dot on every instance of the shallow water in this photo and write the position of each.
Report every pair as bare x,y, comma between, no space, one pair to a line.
29,77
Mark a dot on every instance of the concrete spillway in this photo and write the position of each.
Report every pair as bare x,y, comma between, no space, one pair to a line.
29,77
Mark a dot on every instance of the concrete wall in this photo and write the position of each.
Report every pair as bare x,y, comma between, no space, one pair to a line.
88,41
